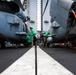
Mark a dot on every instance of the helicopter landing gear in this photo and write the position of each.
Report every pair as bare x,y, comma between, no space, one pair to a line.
2,44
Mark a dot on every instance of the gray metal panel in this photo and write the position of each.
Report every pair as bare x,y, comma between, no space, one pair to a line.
9,30
54,1
59,32
60,11
65,4
10,19
53,9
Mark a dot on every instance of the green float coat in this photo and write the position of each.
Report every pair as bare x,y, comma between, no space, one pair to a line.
46,34
28,38
32,33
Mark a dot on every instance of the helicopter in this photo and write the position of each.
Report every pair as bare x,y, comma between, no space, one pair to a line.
63,22
12,22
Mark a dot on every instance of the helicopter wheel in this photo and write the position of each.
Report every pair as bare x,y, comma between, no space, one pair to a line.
26,44
2,44
73,43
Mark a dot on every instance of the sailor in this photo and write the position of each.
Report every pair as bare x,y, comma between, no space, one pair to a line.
28,41
45,35
31,34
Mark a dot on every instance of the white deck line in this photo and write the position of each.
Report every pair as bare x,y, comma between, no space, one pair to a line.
48,66
23,66
26,65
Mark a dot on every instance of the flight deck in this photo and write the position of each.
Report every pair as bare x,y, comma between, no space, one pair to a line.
54,37
36,61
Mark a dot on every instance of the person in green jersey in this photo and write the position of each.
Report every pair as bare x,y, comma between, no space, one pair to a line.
31,34
28,39
45,35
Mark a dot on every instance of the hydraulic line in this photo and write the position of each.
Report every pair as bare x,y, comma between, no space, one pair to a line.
45,7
